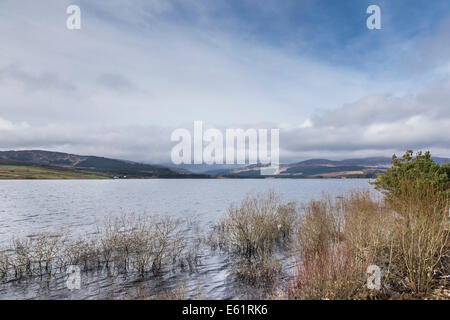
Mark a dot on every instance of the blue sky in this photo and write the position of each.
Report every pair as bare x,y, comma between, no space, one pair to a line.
332,31
137,69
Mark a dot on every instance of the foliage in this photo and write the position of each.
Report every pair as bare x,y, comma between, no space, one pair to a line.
420,171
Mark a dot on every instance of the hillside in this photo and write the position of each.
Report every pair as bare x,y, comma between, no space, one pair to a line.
10,172
323,168
39,164
97,165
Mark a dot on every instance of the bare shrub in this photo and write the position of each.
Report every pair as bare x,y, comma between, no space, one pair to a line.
328,268
124,244
255,226
259,272
83,252
45,248
4,264
407,238
421,238
332,273
167,242
251,231
319,226
22,260
367,227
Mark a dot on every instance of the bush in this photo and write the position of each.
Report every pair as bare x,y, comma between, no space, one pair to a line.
332,257
418,190
319,226
420,171
255,226
408,239
251,232
367,227
332,273
420,239
125,244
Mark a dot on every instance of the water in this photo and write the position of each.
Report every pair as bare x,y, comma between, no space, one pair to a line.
32,206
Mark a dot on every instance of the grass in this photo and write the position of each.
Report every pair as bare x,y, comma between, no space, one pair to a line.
37,172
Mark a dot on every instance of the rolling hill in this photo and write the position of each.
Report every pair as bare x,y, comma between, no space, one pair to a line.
100,166
39,164
323,168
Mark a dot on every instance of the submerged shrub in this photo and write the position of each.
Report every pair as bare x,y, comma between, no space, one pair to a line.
45,248
258,272
125,244
4,264
255,226
251,231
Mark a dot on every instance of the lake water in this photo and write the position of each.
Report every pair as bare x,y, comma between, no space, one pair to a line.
33,206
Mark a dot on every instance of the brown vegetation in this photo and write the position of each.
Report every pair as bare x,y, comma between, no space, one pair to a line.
407,239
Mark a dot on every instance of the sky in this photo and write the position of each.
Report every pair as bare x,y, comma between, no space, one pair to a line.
139,69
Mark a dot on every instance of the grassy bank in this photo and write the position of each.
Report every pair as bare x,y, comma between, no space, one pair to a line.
38,172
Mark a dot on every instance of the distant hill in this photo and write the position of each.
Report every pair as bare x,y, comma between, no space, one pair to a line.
210,169
324,168
111,167
40,164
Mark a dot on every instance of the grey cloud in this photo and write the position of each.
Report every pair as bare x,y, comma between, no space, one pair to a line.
378,123
432,102
203,74
31,81
375,125
115,81
139,143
